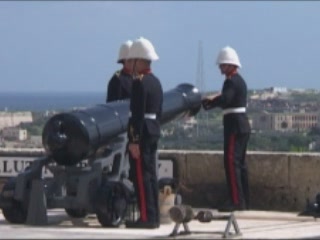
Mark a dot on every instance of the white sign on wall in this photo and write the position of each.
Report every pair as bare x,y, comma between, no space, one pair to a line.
165,168
11,166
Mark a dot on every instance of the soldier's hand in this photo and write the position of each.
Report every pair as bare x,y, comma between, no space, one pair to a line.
134,150
206,103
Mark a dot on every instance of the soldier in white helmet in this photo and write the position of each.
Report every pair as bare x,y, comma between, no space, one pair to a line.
119,86
144,132
233,101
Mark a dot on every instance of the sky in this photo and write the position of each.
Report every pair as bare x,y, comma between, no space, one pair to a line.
63,46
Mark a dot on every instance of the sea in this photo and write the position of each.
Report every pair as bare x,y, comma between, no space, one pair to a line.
48,101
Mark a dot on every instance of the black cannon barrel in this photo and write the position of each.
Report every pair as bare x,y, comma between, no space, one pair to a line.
76,135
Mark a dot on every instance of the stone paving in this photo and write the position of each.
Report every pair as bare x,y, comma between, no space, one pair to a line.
252,224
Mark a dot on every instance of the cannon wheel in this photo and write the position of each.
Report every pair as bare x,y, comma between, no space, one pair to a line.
114,216
112,206
76,213
17,213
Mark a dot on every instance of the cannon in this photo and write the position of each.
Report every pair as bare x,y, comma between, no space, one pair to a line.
71,137
86,152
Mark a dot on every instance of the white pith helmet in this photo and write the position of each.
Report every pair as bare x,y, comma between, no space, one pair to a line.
228,55
124,51
142,48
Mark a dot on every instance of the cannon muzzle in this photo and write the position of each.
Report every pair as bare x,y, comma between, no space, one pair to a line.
76,135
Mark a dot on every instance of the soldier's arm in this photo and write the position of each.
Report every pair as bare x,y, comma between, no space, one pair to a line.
221,100
113,89
137,107
227,95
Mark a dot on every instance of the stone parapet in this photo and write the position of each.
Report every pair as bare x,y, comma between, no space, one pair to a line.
279,181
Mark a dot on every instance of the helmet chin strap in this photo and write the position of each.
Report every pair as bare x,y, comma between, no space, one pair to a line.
230,71
134,72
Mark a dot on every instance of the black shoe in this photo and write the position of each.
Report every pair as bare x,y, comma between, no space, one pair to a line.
140,224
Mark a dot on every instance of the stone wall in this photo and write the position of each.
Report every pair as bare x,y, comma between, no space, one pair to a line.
278,181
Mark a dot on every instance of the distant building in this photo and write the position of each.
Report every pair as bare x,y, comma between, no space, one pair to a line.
14,134
12,119
36,141
298,90
270,93
285,121
279,90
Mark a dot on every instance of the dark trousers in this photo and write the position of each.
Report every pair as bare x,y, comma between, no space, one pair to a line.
143,174
235,146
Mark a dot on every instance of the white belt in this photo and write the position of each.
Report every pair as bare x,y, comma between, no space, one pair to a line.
234,110
147,115
150,116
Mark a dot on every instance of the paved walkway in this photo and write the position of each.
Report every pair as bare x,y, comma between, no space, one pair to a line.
252,224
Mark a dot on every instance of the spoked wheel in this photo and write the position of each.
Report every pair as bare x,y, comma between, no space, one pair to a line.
113,217
17,213
112,206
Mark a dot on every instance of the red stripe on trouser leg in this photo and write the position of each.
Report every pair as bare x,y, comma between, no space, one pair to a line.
232,173
142,203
